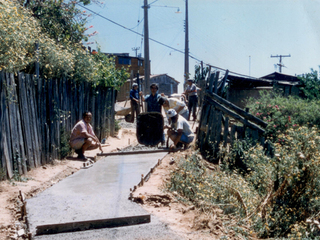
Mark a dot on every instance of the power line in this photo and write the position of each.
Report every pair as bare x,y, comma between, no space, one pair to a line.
156,41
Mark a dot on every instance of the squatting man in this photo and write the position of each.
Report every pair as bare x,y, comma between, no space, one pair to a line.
180,131
82,136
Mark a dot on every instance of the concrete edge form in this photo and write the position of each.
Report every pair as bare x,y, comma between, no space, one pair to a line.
92,224
138,152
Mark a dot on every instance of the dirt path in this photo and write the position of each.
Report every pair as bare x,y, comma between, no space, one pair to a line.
181,218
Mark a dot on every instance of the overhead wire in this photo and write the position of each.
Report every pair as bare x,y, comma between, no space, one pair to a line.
156,41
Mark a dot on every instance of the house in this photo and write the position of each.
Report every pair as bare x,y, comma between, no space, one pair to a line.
131,64
242,88
167,85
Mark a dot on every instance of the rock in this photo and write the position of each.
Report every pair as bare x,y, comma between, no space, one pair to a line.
44,167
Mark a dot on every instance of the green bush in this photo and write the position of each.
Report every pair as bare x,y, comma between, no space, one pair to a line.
275,196
283,113
310,88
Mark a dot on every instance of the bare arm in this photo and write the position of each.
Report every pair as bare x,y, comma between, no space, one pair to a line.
178,137
142,97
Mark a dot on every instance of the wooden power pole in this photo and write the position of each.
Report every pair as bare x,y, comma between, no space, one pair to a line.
146,46
280,60
186,49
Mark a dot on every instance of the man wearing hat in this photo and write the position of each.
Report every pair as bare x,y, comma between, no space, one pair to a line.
191,92
134,96
180,130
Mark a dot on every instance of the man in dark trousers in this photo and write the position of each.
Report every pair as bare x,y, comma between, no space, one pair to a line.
134,96
191,92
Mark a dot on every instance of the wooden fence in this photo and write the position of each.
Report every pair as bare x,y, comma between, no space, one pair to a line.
37,116
222,122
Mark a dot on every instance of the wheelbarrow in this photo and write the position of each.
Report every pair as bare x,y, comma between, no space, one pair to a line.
150,128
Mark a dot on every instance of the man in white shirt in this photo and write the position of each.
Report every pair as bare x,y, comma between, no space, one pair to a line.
191,91
179,131
173,103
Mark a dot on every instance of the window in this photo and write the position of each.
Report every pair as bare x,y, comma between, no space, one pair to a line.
140,63
125,61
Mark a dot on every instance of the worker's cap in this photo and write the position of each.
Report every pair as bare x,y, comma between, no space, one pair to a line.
172,113
134,85
190,80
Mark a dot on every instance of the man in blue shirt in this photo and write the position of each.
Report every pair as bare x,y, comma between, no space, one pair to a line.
134,96
152,99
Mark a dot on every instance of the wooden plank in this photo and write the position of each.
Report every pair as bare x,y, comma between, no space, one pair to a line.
210,127
21,136
13,123
218,130
211,81
25,120
2,123
37,114
216,78
225,132
223,84
6,127
91,224
233,134
238,110
33,122
234,115
7,156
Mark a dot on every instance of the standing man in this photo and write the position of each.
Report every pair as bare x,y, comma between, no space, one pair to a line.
134,96
179,131
153,104
152,99
82,136
191,92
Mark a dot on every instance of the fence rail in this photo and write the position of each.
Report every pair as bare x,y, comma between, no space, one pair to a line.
37,115
222,122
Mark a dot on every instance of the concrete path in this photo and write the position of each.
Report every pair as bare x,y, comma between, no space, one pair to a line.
97,195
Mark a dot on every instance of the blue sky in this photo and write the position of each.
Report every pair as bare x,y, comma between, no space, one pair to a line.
223,33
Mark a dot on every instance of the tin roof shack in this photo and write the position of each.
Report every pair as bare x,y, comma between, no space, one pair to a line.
167,85
241,88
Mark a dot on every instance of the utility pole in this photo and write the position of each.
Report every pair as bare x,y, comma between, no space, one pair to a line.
146,46
186,49
135,49
280,60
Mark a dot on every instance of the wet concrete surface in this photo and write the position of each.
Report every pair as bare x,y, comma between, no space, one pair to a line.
155,230
99,192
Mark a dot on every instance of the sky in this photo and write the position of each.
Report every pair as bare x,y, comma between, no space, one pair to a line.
238,35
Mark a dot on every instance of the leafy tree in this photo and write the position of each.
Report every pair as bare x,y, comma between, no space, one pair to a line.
60,19
311,85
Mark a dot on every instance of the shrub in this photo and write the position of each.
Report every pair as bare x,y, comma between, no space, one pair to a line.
276,196
283,113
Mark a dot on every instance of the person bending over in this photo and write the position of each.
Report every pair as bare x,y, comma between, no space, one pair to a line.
82,136
173,103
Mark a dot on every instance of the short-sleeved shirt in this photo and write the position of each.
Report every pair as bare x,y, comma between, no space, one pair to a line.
152,103
192,88
176,104
80,128
183,124
134,94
